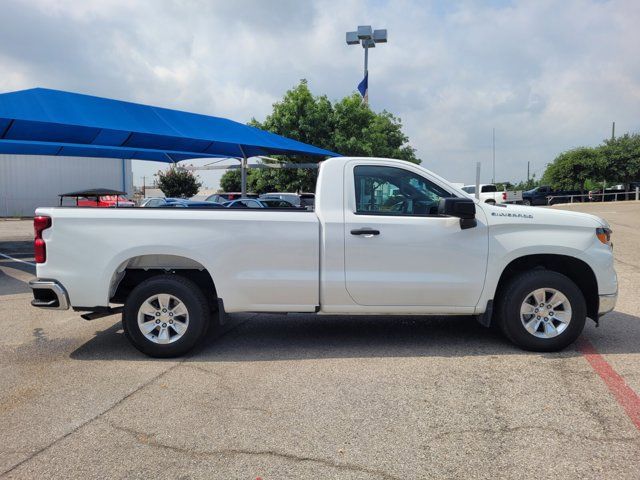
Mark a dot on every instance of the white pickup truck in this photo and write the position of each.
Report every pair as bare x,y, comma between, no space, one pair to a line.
489,193
386,237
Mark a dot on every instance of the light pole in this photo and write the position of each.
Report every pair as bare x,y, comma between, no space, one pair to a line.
368,38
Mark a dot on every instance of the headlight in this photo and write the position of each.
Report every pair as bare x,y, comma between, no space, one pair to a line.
604,235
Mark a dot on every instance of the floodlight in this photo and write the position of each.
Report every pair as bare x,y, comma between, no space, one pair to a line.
368,43
352,38
380,36
365,32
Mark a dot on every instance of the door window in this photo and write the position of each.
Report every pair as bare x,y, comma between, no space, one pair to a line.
382,190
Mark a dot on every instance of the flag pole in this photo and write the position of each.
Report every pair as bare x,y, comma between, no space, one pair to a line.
365,97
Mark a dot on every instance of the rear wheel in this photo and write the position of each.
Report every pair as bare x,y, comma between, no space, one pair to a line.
166,316
542,311
491,202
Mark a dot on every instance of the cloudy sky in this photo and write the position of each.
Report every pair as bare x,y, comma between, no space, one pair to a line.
547,75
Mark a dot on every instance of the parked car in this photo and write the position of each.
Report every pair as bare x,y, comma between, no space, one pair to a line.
259,203
180,203
106,201
305,200
610,195
535,273
227,196
99,198
545,195
156,201
489,193
162,202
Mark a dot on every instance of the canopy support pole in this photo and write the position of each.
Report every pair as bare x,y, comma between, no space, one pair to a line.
243,173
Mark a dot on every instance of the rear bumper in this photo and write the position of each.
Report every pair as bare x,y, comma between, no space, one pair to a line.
607,303
49,294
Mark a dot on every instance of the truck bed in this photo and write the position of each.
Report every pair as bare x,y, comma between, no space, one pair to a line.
269,260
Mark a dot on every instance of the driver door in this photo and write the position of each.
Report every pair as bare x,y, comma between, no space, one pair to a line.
398,250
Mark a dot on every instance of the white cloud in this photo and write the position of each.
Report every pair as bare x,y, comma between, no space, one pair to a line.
548,75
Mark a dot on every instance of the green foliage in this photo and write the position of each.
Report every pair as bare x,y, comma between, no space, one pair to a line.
359,131
586,168
176,182
571,169
622,156
230,181
348,127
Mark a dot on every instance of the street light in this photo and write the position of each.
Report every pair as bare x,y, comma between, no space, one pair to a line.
367,37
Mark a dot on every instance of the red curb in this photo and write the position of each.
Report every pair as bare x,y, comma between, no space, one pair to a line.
624,394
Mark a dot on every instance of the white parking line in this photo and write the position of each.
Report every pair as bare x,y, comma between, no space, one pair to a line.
17,259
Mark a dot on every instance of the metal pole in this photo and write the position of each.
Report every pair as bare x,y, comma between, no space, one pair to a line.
493,175
528,174
366,60
366,71
478,180
243,173
613,131
637,193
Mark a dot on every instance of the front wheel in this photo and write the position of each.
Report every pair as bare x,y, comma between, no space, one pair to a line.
542,310
165,316
527,203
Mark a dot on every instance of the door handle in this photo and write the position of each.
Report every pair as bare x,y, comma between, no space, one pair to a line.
365,231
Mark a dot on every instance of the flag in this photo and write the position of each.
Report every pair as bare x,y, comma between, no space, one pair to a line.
363,88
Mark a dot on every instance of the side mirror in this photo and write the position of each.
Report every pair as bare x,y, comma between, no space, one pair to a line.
457,207
463,208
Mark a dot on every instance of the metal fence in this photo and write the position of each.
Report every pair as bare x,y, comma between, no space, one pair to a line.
594,197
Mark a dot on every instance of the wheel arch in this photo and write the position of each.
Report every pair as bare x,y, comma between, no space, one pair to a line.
139,268
574,268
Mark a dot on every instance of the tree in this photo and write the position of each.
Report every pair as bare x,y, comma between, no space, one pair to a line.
572,169
622,156
359,131
231,181
348,127
586,168
177,182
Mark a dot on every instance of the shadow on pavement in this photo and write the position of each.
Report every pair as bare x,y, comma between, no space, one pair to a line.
17,247
268,337
10,285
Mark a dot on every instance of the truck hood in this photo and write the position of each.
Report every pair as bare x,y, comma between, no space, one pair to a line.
524,215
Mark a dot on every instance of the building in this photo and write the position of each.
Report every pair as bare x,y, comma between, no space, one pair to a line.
31,181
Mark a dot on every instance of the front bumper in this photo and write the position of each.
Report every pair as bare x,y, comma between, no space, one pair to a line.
607,303
49,294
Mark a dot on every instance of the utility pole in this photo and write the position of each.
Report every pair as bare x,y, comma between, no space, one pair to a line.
528,174
144,187
493,178
613,131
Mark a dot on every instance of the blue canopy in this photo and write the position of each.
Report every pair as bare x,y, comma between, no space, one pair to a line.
40,121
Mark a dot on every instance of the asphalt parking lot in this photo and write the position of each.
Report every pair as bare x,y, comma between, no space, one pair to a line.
301,396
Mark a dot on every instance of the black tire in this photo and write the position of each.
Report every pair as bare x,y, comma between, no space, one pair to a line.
188,293
490,202
515,293
527,203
